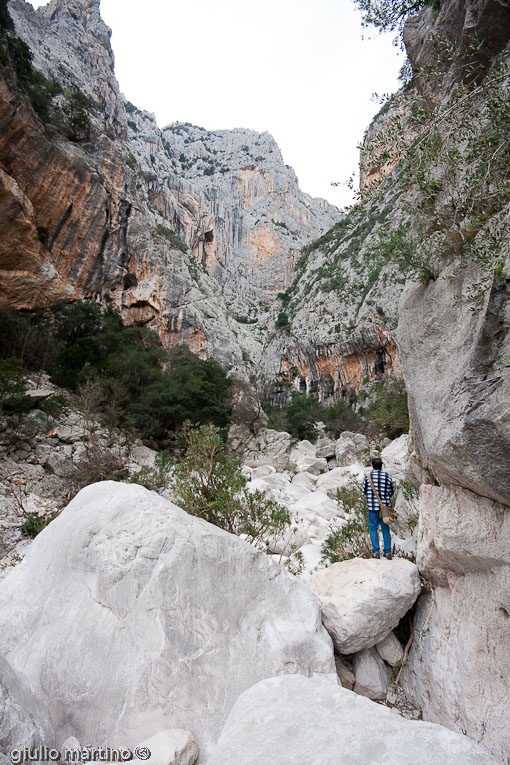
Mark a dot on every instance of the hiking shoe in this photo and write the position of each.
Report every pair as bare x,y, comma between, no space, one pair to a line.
376,555
388,556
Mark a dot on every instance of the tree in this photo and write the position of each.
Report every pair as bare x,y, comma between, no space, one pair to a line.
301,415
210,485
6,23
192,389
389,410
387,15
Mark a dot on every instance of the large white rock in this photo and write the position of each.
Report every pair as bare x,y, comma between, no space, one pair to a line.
23,717
267,447
143,456
303,458
325,447
390,650
371,674
171,747
307,480
338,478
459,664
315,503
362,600
294,720
352,448
395,457
131,614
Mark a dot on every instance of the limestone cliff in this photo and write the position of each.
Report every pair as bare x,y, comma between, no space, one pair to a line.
209,224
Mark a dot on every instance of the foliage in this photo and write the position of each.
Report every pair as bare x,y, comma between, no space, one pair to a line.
191,389
282,322
389,410
76,110
155,477
34,524
71,113
171,237
129,280
12,381
54,406
118,369
398,246
350,539
301,414
6,23
453,170
387,15
340,416
210,485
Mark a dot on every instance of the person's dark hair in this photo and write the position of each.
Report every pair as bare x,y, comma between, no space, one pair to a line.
377,463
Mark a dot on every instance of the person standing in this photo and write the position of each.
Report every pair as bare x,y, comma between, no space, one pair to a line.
383,485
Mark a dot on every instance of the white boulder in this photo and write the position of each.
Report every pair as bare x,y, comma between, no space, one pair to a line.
371,675
352,448
173,746
307,480
143,456
325,447
395,457
303,458
296,720
315,503
267,447
390,650
23,717
338,478
175,619
362,600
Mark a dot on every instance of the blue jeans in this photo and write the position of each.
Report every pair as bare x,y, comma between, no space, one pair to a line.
373,522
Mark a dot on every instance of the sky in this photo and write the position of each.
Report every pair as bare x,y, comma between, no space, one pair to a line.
299,69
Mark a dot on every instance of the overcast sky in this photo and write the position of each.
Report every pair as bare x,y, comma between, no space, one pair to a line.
296,68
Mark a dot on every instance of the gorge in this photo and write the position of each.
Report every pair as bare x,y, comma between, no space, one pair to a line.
206,238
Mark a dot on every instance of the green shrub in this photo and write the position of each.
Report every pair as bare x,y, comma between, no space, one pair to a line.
389,410
352,539
171,237
130,280
191,389
13,386
210,485
155,477
340,416
34,524
282,322
301,414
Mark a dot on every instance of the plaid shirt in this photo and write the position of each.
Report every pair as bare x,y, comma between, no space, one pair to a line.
384,487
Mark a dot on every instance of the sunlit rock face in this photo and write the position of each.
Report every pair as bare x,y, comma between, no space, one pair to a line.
232,199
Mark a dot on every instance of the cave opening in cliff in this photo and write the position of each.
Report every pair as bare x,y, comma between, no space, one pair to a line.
209,236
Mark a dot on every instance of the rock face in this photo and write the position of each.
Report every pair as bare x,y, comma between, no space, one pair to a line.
311,721
464,25
458,383
463,549
363,600
23,717
167,631
182,204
